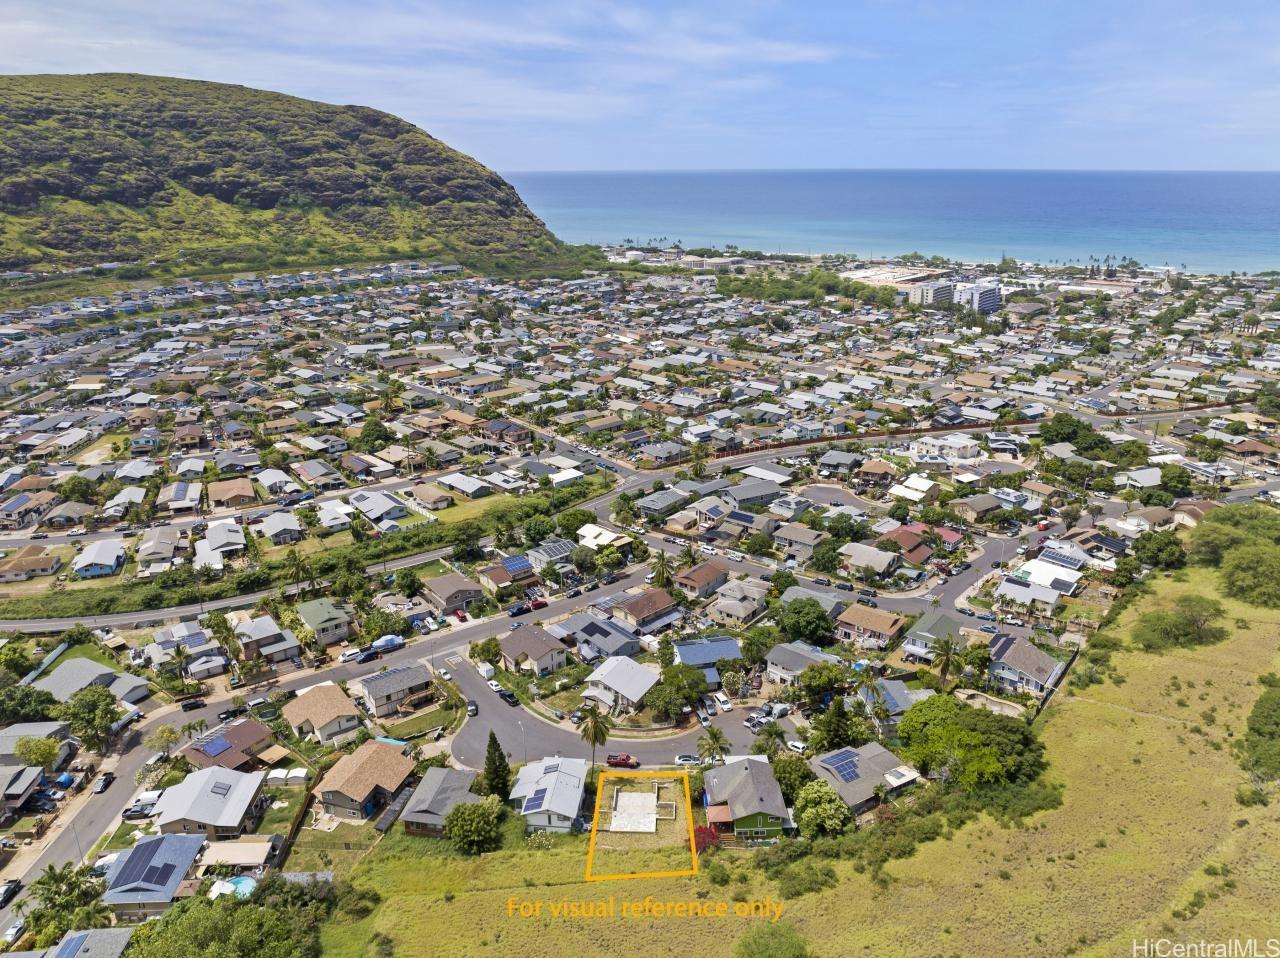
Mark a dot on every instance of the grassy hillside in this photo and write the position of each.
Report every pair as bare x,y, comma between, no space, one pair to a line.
122,167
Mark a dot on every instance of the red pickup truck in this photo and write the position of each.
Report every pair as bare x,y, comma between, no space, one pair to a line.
622,760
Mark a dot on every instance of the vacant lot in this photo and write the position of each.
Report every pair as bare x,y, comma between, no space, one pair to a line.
1148,806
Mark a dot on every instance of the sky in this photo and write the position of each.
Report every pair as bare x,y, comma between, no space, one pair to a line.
580,85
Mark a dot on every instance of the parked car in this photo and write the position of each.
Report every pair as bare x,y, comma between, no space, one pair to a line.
990,629
233,712
494,686
722,700
688,760
460,615
519,609
576,716
795,745
192,705
822,580
15,931
538,604
622,760
509,697
102,783
445,674
8,889
986,616
350,655
869,603
369,655
472,708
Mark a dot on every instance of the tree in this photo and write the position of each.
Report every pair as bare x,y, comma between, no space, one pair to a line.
1162,550
1175,480
497,771
769,740
610,559
1190,620
40,752
163,739
78,488
666,652
90,714
826,557
945,654
1251,573
474,827
583,559
374,434
487,650
900,511
805,620
60,899
781,582
14,659
1126,571
538,529
408,583
792,772
837,727
662,570
732,681
25,703
759,544
596,726
571,520
713,744
820,679
819,810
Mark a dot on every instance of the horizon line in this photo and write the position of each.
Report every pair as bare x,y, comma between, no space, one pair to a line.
888,169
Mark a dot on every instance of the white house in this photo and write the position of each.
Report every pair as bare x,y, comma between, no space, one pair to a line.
548,793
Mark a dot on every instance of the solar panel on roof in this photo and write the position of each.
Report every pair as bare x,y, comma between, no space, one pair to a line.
534,801
215,747
516,564
137,863
844,763
553,767
72,946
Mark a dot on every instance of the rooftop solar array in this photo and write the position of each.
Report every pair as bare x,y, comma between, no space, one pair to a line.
517,564
1061,558
844,763
215,747
534,801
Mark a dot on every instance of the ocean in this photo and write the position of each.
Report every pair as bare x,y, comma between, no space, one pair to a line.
1205,222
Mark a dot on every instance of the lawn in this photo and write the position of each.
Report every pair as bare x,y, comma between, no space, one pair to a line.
89,650
431,718
1148,805
276,821
123,837
471,508
337,851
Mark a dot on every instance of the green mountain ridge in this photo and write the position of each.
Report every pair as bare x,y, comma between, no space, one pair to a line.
125,167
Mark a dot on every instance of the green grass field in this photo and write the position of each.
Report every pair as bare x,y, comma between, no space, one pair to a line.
1148,805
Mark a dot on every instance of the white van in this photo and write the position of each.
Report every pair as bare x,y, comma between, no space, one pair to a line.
722,700
350,655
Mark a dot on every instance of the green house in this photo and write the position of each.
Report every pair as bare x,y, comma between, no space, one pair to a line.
744,797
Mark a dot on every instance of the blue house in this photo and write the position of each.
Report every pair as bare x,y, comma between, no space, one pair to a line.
706,652
144,880
104,557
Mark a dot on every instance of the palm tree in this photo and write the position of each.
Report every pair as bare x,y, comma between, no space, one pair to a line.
687,555
946,655
713,743
662,570
295,566
771,739
596,726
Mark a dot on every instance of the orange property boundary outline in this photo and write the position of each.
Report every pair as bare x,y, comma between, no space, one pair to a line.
595,822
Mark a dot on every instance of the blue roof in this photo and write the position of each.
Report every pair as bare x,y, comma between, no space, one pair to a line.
707,651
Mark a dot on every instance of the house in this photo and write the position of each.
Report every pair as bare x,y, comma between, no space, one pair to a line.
786,660
507,573
742,796
383,692
976,508
930,629
89,943
262,637
737,603
27,508
831,603
100,558
888,702
144,880
318,474
178,497
699,581
911,546
216,803
378,507
440,791
532,649
322,712
620,684
705,653
856,558
157,546
595,637
430,497
916,489
797,541
1019,666
281,528
327,620
27,562
450,592
224,539
231,494
234,744
364,781
650,611
596,537
18,782
548,793
861,775
72,675
11,735
869,628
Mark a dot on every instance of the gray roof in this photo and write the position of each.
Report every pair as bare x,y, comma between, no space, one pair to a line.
797,656
626,677
9,736
747,785
563,780
395,680
934,626
866,771
72,675
211,796
1019,654
92,943
152,870
439,791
